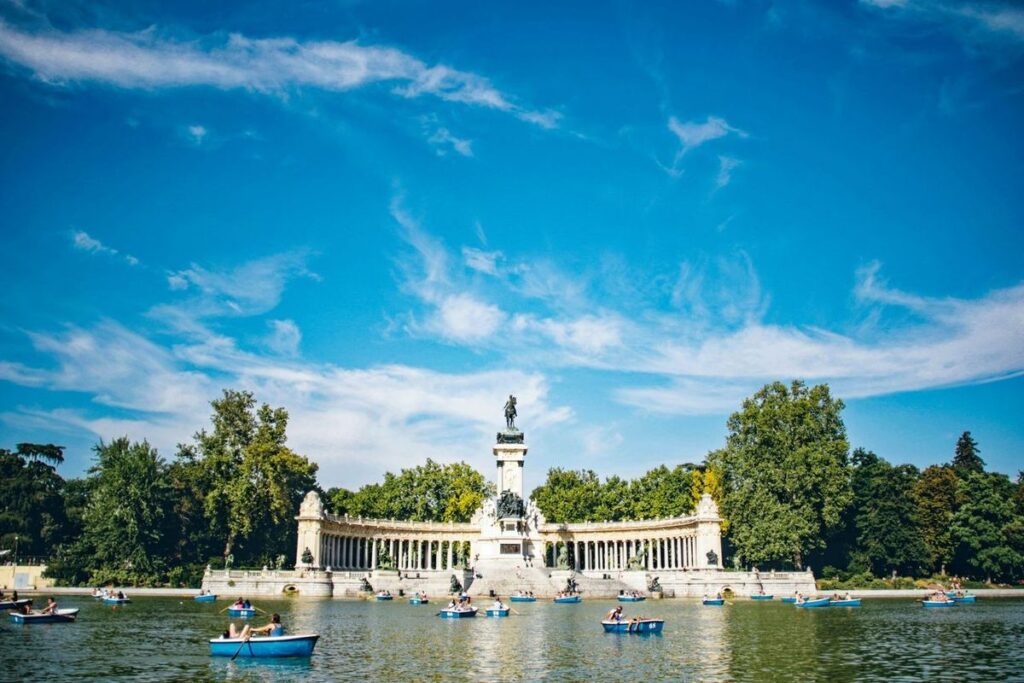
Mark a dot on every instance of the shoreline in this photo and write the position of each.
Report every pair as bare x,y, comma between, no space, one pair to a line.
904,593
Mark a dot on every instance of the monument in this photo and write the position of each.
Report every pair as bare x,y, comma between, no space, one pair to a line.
507,546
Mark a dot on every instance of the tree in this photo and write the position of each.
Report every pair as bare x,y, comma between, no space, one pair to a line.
966,458
126,525
252,482
785,476
986,533
935,497
31,505
426,493
568,496
886,533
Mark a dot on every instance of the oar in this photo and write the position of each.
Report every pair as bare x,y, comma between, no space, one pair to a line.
244,643
258,609
514,610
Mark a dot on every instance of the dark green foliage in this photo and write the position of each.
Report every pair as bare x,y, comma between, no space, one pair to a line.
935,496
31,504
987,535
578,495
886,533
965,457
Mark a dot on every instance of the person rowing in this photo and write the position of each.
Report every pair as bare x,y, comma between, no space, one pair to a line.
274,629
51,606
615,614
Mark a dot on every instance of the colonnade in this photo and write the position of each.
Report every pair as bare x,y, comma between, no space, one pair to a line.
408,554
676,552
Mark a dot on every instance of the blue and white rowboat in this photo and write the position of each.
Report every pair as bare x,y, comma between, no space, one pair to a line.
275,646
937,603
522,598
820,602
713,602
626,626
852,602
789,599
568,599
208,597
419,601
632,598
765,597
116,601
457,613
14,604
243,612
382,598
498,612
61,616
966,598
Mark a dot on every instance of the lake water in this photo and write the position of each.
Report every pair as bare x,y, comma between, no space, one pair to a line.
164,639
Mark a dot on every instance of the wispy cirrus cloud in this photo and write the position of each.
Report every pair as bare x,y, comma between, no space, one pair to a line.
355,422
83,241
444,142
155,59
974,23
715,347
694,134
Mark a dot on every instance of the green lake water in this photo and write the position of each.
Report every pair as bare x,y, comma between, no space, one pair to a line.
164,639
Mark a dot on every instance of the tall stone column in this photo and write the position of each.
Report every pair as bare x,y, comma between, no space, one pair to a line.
450,556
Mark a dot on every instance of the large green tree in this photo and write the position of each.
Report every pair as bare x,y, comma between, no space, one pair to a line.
127,527
568,496
252,483
935,497
31,504
887,536
785,474
987,533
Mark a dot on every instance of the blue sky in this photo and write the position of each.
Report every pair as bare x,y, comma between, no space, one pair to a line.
387,216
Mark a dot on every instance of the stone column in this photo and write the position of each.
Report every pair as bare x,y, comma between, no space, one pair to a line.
450,565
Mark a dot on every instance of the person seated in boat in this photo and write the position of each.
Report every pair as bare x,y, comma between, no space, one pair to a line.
451,604
614,614
718,595
26,608
51,606
274,629
238,604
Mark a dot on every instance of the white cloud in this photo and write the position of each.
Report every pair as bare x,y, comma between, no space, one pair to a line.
83,241
284,338
196,134
988,23
726,165
444,142
152,60
481,261
692,134
356,423
463,318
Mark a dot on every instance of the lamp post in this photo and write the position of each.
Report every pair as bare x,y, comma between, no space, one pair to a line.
15,550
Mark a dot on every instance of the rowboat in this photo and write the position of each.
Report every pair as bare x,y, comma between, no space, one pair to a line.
419,601
789,599
820,602
497,612
458,613
99,595
632,598
208,597
243,612
384,596
713,601
626,626
15,604
116,601
60,616
265,646
852,602
965,598
522,598
765,597
568,599
950,594
937,603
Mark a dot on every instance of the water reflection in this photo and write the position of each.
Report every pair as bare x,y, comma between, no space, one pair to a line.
165,640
